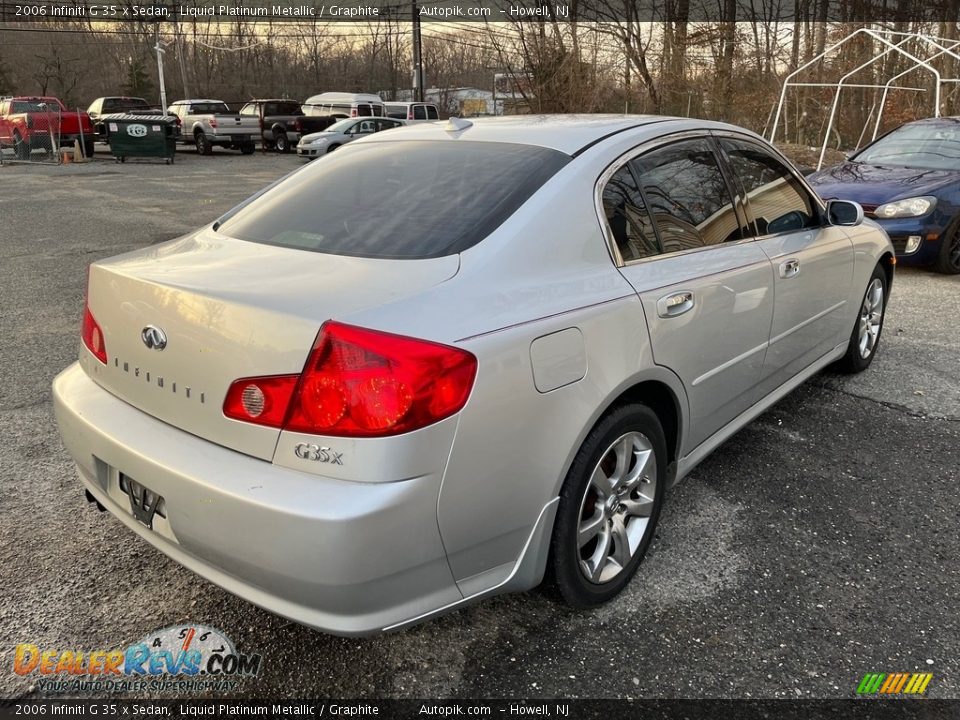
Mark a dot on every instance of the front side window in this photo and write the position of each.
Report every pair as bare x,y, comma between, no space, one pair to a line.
776,198
470,188
249,109
688,196
432,113
628,218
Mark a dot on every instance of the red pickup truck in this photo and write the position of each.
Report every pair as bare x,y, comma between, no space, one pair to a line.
29,123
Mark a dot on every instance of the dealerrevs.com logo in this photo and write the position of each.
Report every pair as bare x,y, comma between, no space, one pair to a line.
184,658
894,683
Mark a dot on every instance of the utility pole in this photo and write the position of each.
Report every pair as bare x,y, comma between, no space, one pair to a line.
183,66
417,55
163,89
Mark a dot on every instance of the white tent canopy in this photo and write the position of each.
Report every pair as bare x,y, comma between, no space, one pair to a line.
923,51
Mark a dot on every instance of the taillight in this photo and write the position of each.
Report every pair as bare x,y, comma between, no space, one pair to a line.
93,336
213,122
353,112
296,126
359,383
260,400
409,114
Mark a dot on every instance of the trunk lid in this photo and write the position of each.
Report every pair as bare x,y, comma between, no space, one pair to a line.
228,309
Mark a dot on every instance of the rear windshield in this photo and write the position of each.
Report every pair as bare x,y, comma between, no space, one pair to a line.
407,200
28,106
124,104
208,108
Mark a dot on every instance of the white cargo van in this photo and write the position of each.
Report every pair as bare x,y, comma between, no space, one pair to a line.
344,105
413,111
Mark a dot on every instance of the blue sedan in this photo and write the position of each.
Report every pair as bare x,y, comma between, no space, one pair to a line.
909,182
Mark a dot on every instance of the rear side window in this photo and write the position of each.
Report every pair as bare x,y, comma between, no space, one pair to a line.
398,199
419,112
363,110
776,199
688,196
628,218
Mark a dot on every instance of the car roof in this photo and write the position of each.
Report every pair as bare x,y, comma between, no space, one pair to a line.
566,133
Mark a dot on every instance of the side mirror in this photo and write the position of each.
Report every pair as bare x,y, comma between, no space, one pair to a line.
844,212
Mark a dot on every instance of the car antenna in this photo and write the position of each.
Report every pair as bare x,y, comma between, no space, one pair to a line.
456,124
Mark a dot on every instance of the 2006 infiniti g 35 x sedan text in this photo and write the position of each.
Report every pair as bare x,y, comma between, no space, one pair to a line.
450,358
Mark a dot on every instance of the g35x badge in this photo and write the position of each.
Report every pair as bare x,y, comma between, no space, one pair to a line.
309,451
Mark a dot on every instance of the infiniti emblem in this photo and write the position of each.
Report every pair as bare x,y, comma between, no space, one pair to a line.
153,337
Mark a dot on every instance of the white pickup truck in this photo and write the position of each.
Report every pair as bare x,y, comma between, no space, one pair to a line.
208,123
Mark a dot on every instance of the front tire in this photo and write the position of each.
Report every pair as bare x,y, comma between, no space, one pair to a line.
948,259
865,338
609,506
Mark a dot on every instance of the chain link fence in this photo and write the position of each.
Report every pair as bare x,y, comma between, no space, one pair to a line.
41,131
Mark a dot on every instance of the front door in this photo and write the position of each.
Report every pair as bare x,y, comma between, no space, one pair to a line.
812,262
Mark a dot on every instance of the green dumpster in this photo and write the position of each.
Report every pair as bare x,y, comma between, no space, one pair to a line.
141,136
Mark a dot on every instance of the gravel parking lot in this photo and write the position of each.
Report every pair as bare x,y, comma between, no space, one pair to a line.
818,544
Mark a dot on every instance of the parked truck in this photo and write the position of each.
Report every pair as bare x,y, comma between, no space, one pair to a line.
281,122
209,123
118,105
42,123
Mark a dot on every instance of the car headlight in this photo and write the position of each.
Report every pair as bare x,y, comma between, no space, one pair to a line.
908,207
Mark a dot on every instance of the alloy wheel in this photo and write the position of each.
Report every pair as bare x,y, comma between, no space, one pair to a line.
871,318
616,507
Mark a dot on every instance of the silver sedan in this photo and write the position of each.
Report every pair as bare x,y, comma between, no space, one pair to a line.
361,411
340,133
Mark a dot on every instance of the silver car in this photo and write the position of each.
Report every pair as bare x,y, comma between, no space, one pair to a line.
360,412
340,133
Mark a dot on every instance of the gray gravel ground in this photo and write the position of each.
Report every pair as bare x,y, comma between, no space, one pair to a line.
818,544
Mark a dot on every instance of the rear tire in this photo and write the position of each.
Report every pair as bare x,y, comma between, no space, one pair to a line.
281,143
609,506
948,258
248,149
203,145
865,338
20,147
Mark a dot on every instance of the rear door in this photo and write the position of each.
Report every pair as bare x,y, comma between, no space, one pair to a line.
812,260
706,288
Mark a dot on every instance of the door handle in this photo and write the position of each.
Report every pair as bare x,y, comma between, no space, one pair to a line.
675,304
789,268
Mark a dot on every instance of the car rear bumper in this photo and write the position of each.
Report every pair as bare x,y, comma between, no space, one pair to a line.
348,558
